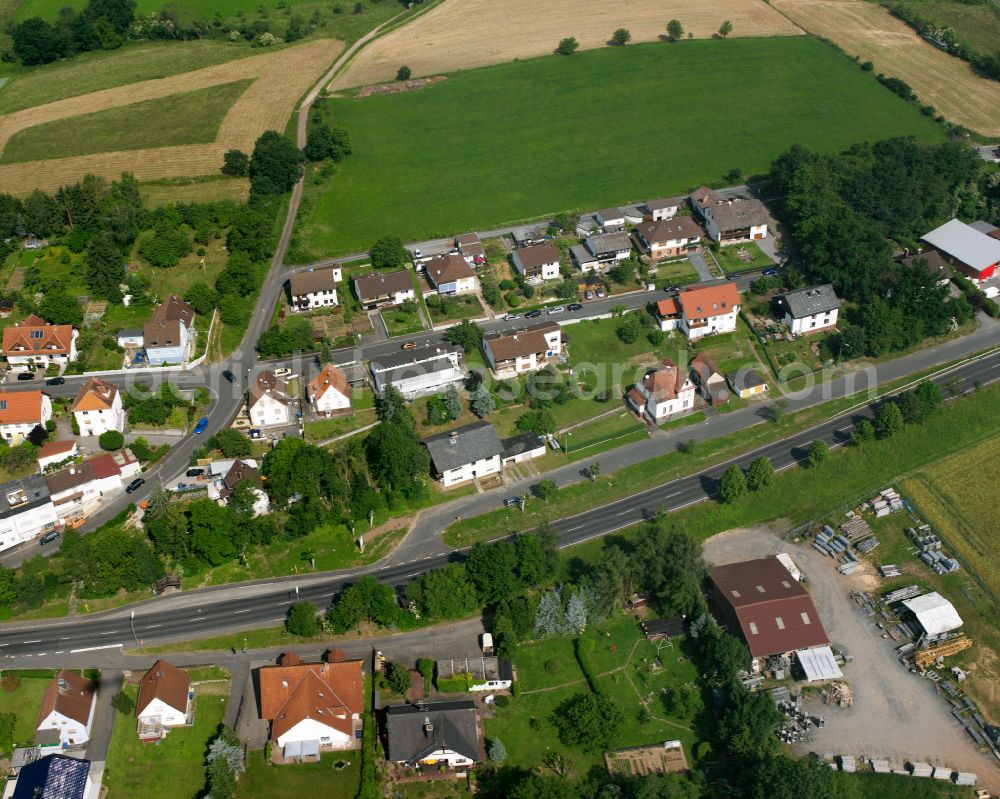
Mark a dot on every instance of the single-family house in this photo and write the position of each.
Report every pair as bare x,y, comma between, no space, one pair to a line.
311,289
312,707
471,249
55,777
973,253
810,309
667,238
67,711
664,392
747,382
537,262
377,289
130,338
528,235
513,352
223,485
329,392
602,250
661,209
709,380
707,310
668,314
98,408
415,373
26,510
165,701
465,453
482,673
21,412
33,342
610,219
930,261
434,734
52,453
451,274
728,220
169,336
268,402
521,448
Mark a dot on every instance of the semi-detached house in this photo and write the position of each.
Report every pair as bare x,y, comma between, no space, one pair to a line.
667,238
312,289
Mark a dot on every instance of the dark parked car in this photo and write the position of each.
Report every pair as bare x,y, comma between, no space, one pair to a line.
533,314
26,376
194,472
510,502
48,538
769,272
135,485
55,381
229,376
574,306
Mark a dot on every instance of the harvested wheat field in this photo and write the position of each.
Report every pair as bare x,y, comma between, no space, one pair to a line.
279,79
870,32
461,34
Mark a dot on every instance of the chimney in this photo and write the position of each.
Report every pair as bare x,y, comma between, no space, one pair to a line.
428,727
62,684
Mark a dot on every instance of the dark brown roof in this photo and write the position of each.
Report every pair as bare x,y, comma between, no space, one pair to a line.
537,254
164,682
161,333
774,612
173,309
739,214
448,269
68,694
704,366
240,472
68,479
378,284
270,384
507,346
312,282
931,259
470,244
680,227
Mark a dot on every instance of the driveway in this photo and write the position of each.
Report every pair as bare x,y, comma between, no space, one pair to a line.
104,715
698,262
896,714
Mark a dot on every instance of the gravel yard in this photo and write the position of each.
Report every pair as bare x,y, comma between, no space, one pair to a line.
896,714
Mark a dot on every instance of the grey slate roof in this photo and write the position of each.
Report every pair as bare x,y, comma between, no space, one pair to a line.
608,243
453,726
745,378
53,777
811,300
467,444
983,227
35,492
972,247
518,445
659,205
430,352
581,254
738,214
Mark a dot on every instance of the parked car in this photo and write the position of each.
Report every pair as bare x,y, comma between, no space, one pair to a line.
510,502
283,371
487,642
417,253
182,487
229,376
769,272
557,310
55,381
510,317
26,376
195,471
255,433
588,295
671,288
200,427
135,485
574,306
600,292
410,345
533,314
48,538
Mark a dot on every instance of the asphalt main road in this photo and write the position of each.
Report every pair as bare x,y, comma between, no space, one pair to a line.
227,609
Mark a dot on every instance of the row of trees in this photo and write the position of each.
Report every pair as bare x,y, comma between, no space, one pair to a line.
843,210
101,25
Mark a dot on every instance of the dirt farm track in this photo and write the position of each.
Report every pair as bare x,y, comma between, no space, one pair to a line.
462,34
870,32
280,78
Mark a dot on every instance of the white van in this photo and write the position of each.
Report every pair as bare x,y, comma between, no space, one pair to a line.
487,640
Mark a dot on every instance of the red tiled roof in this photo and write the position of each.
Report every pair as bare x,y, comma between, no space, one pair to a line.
34,334
95,395
104,466
329,377
709,301
668,307
20,407
664,383
278,683
52,448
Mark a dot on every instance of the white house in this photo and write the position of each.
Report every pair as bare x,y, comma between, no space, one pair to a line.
169,336
390,288
21,412
26,510
661,209
668,314
664,392
729,221
433,734
329,392
708,310
510,353
314,288
79,490
602,251
667,238
268,402
537,262
67,711
465,453
53,453
451,274
165,701
312,707
811,309
98,408
130,338
33,342
610,219
415,373
226,475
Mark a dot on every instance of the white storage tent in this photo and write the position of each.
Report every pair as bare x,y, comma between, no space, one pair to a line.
935,613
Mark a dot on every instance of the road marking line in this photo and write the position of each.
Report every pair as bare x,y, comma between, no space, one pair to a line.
64,638
108,632
36,641
95,648
242,611
152,626
59,651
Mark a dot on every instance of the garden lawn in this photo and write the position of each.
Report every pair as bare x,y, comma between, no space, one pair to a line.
187,118
24,702
298,780
679,273
172,769
561,156
731,263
